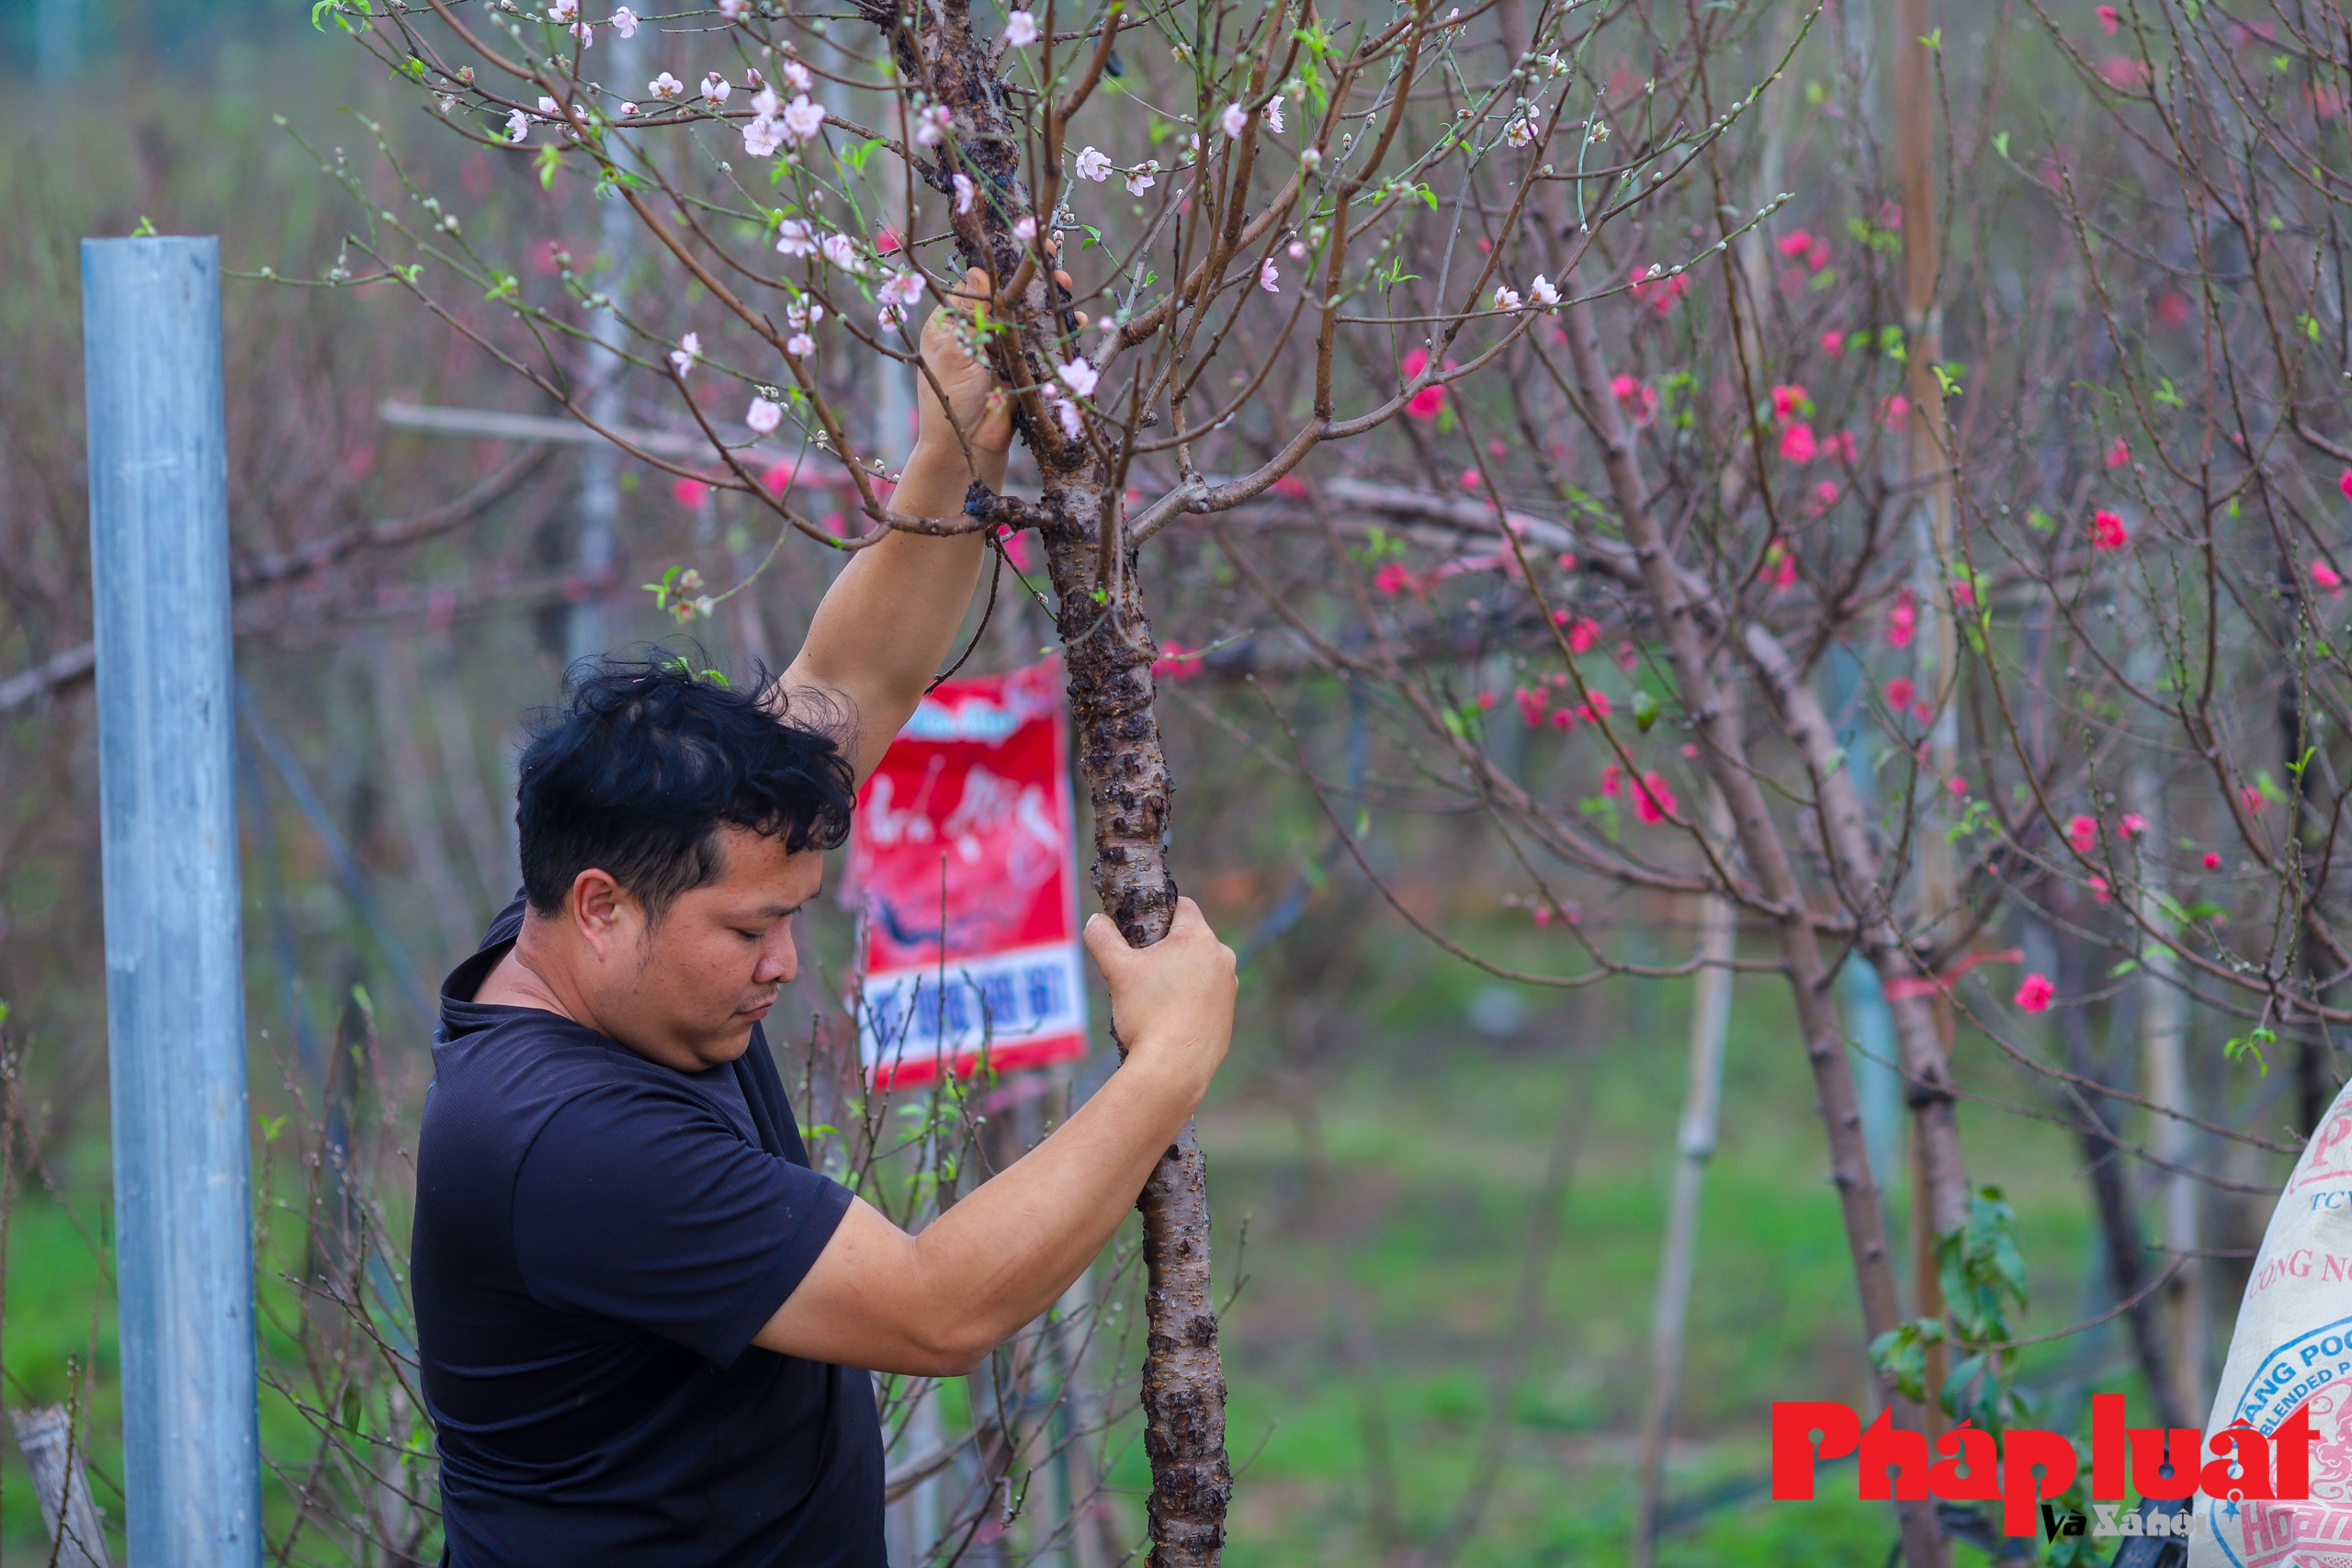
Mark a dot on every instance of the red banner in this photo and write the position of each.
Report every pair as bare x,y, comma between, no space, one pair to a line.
960,859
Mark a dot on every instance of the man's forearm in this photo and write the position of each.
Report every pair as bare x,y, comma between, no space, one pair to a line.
938,1302
1004,1254
888,620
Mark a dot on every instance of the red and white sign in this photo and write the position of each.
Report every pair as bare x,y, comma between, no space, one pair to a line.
960,856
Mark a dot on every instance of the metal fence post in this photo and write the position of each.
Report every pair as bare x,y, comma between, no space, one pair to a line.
159,555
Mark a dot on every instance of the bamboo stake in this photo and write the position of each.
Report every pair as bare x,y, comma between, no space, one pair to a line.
1694,1146
1929,468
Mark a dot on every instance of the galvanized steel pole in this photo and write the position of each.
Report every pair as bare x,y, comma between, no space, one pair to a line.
158,557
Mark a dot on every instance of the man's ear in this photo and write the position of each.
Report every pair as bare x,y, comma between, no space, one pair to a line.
602,912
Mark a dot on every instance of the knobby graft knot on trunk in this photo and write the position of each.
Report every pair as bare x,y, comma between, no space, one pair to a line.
985,505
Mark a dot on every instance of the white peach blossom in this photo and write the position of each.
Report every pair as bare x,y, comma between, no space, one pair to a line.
803,119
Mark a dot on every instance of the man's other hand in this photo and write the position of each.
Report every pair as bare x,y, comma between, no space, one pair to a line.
1172,1002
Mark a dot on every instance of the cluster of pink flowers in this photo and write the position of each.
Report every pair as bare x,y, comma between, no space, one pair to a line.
2107,532
1653,798
1653,802
2082,834
1176,663
1903,620
1815,251
1799,444
1638,398
1426,403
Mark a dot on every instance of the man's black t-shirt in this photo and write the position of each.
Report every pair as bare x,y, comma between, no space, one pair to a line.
598,1237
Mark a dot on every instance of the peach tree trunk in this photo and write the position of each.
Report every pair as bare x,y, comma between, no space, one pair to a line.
1108,650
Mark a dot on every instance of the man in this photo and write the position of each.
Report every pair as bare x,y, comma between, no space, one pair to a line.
644,1324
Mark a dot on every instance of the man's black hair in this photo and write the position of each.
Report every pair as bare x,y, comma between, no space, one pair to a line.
645,761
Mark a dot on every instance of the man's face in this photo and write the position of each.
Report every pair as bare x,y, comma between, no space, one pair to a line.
711,969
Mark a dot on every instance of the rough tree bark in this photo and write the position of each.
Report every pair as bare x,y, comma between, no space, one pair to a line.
1108,648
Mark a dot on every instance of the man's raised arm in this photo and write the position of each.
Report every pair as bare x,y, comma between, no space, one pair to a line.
888,621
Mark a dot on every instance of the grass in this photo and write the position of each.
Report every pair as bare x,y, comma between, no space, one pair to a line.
1410,1247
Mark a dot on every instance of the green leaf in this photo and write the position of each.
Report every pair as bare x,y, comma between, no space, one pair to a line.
2123,968
2251,1045
1934,40
2001,142
1644,710
2167,397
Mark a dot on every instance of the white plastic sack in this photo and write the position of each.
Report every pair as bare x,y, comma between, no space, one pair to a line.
2292,1348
